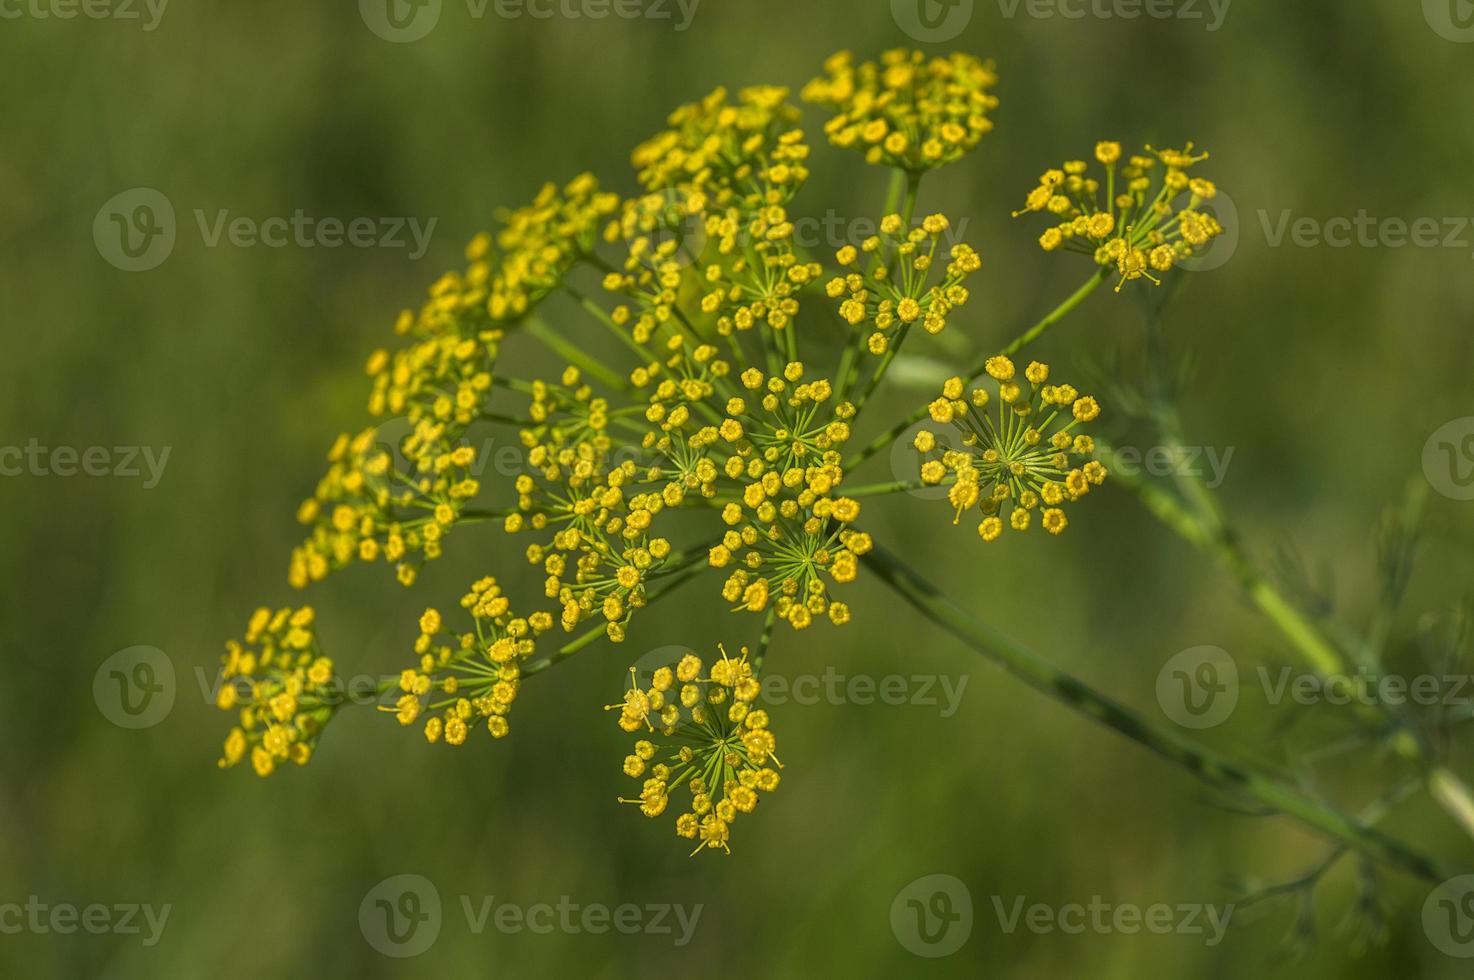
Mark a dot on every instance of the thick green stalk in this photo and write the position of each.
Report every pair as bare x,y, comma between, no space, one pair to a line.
1222,548
1210,535
1204,763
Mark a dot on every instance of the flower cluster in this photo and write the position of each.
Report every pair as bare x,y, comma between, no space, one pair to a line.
706,737
539,243
1130,221
470,679
705,446
283,687
1025,457
721,154
892,284
908,110
601,549
790,530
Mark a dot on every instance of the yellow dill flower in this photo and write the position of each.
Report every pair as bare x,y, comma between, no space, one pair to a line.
539,243
468,681
892,284
602,550
907,110
788,527
1141,218
282,687
702,736
509,272
1023,458
718,153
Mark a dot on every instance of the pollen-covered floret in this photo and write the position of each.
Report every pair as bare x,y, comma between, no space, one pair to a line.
283,687
789,528
1026,458
907,110
702,737
896,280
468,680
1141,218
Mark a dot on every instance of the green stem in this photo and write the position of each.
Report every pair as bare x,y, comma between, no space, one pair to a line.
572,353
1204,763
1212,536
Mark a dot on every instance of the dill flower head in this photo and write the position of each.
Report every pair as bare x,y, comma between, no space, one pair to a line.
601,550
756,274
471,679
704,735
283,688
396,501
539,243
789,530
907,110
895,280
720,154
1022,458
1142,218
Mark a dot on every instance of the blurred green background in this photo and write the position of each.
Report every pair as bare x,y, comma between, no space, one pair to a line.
1326,369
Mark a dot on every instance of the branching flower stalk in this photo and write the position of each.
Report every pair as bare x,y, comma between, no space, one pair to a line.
720,404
